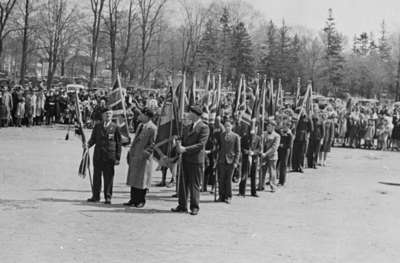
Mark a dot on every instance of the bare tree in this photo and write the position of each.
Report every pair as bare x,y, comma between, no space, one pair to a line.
27,11
111,23
132,16
97,9
57,29
6,8
192,29
149,12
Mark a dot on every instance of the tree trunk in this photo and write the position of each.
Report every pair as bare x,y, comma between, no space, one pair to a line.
24,44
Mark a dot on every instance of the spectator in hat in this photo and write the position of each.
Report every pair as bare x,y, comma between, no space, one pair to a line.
140,159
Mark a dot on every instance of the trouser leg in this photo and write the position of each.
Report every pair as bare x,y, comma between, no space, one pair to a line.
253,170
245,175
97,172
183,190
228,180
132,194
195,184
108,174
221,181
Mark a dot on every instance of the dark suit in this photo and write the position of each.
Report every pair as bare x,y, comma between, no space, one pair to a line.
228,158
314,144
107,151
194,140
249,143
304,127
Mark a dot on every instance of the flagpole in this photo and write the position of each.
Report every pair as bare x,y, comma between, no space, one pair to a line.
123,107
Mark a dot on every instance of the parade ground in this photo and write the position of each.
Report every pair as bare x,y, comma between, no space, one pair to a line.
345,212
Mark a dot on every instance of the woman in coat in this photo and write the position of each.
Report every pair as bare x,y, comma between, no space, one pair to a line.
140,159
329,128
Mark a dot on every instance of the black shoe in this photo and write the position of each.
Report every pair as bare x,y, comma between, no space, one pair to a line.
93,200
228,201
300,170
255,195
162,184
129,203
194,212
241,195
179,209
220,200
107,202
174,196
140,205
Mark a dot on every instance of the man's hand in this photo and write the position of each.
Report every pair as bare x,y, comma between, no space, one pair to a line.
180,148
116,162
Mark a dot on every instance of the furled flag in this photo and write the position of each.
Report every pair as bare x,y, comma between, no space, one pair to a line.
307,106
246,114
164,151
84,165
279,96
297,98
270,99
116,100
238,96
192,92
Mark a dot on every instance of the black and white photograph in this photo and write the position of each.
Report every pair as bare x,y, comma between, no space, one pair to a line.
193,131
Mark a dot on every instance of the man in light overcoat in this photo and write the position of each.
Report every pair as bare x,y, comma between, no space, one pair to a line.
140,159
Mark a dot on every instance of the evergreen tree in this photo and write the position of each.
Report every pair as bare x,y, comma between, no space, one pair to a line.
269,59
333,58
225,44
284,49
208,50
384,47
242,59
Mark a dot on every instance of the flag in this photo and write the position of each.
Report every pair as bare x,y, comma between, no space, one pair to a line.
237,96
84,165
164,152
213,99
270,99
116,100
297,98
307,105
263,102
246,114
279,96
192,92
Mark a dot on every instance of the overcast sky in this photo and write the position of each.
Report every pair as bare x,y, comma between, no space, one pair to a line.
352,16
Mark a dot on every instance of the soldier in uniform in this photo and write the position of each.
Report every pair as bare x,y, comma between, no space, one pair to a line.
106,137
192,149
228,160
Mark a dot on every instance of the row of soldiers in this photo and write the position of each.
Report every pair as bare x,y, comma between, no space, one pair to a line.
234,149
